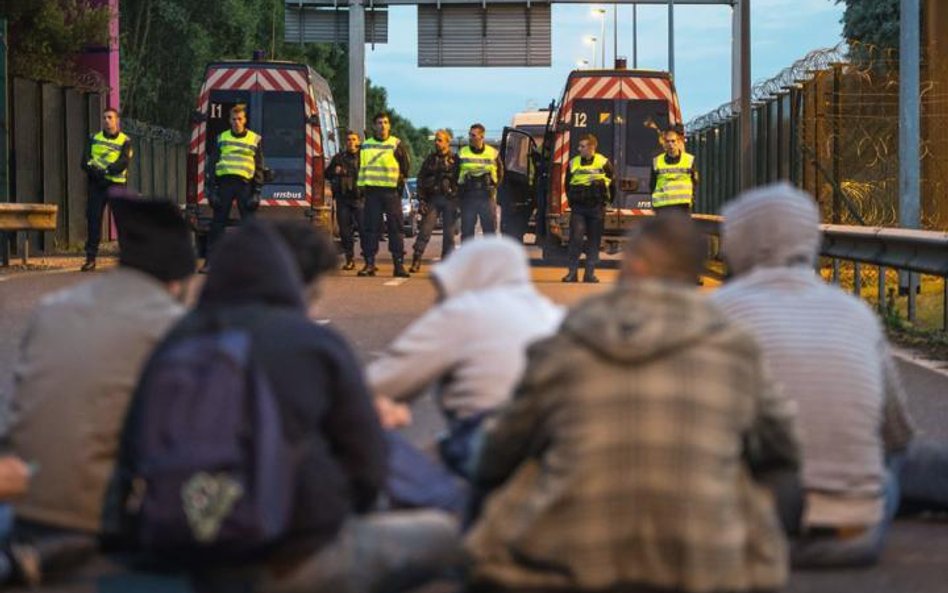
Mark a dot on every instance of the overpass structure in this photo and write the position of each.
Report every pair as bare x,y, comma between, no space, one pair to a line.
506,23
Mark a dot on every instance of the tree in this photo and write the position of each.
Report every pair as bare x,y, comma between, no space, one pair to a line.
166,45
417,140
46,35
872,22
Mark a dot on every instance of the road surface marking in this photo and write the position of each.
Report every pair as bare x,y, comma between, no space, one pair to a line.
396,282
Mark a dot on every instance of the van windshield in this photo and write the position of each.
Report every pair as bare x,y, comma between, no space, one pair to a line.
284,125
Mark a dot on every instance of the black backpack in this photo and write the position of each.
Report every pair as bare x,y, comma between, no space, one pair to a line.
213,472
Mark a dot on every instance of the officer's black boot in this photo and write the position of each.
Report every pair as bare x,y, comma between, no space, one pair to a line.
89,266
368,269
571,276
415,264
400,271
590,275
350,263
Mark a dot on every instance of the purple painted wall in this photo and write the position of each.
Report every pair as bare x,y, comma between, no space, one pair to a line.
105,60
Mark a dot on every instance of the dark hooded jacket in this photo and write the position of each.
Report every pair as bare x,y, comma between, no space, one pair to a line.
253,285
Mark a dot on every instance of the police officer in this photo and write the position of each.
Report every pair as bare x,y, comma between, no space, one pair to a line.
237,165
343,175
105,161
438,193
479,174
588,182
674,176
383,167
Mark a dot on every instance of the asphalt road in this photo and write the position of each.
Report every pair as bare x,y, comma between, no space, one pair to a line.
371,311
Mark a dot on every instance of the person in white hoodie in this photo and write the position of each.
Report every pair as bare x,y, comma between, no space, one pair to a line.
471,346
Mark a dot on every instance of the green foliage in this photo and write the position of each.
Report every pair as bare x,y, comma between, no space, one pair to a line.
417,140
45,35
872,22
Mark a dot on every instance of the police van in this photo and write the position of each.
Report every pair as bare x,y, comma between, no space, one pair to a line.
292,108
626,110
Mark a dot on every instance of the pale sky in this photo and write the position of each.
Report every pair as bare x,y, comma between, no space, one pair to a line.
782,32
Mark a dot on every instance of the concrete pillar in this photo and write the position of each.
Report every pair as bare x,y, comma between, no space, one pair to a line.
909,115
357,65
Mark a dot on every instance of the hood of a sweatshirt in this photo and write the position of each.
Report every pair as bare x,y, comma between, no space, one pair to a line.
252,266
483,264
644,319
772,226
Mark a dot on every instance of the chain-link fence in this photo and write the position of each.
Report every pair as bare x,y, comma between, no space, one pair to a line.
829,123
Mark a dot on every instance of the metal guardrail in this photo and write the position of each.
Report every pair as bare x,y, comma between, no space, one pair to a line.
24,217
905,250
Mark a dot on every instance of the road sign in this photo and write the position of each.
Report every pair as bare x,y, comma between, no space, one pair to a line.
313,24
484,35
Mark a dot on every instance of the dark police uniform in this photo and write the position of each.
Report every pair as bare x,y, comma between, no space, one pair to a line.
588,182
383,167
438,192
343,176
238,175
106,162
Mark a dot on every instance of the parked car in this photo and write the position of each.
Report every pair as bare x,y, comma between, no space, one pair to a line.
410,215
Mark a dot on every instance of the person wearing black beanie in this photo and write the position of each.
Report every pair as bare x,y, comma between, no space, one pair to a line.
153,238
79,362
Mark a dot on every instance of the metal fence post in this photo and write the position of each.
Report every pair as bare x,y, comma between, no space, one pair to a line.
881,288
837,130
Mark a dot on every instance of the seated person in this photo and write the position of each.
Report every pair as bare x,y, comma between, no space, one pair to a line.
471,345
626,460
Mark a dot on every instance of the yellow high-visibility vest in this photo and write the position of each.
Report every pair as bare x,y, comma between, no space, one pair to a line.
581,174
673,185
478,165
106,151
378,166
237,154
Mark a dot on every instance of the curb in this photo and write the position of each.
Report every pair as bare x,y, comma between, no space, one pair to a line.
918,359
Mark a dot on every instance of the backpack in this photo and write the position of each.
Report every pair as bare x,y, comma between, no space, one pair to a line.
213,472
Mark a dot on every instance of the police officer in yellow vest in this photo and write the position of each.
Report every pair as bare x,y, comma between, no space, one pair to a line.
588,181
237,166
106,162
383,167
674,176
480,171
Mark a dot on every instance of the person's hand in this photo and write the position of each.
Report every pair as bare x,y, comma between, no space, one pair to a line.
213,198
14,477
338,169
392,414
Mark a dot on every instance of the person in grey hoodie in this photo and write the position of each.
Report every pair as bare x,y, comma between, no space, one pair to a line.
829,355
471,346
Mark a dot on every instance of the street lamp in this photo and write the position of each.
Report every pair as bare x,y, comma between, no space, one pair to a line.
601,13
591,40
